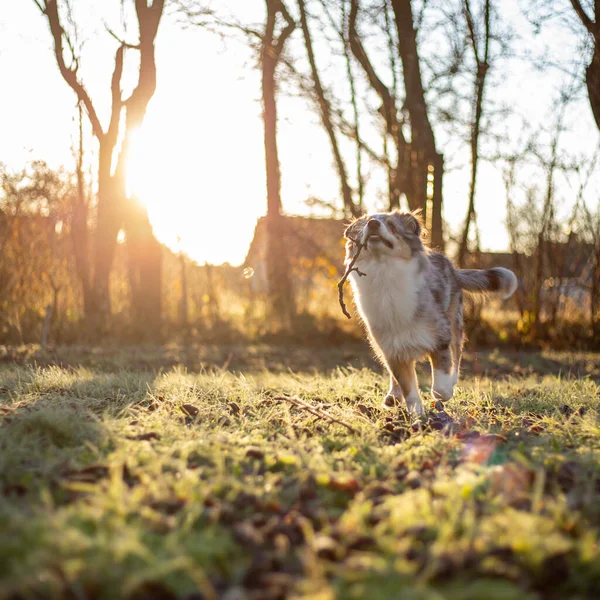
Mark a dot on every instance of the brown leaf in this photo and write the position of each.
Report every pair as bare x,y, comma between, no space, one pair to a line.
152,590
90,474
189,410
365,410
255,453
170,506
348,484
151,435
362,543
16,490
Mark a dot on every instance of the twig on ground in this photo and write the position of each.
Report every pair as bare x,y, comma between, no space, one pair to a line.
349,270
315,411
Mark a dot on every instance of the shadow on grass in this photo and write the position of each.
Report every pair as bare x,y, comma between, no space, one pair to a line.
52,425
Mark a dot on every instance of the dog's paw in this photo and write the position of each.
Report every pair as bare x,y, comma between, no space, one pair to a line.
443,386
415,405
390,401
442,393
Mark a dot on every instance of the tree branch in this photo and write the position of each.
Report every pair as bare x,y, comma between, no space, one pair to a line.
590,25
325,109
121,41
361,56
69,74
315,411
287,30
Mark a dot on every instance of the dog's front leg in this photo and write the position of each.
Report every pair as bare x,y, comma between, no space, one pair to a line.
442,374
404,384
394,395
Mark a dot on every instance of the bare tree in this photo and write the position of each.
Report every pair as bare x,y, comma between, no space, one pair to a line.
325,111
341,29
399,182
592,74
425,160
113,209
418,172
480,45
278,270
573,15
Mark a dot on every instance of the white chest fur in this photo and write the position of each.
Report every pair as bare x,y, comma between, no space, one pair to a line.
387,299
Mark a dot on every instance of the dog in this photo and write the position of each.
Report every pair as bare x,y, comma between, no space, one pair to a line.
411,302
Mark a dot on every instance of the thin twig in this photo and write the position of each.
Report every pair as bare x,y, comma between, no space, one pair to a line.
121,41
315,411
349,270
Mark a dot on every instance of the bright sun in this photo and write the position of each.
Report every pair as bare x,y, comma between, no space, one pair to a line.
183,191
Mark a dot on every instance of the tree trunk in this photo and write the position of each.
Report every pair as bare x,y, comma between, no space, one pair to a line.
423,151
111,188
144,252
278,265
79,229
437,238
107,230
592,80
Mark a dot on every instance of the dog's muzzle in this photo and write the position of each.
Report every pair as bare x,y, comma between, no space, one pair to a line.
374,234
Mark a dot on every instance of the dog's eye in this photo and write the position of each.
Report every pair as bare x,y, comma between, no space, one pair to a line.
413,226
392,227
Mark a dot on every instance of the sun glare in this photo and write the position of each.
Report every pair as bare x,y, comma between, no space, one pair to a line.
185,201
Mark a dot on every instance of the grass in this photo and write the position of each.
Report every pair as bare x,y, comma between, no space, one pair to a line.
118,481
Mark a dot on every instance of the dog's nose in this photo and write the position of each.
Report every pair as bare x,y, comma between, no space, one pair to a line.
373,224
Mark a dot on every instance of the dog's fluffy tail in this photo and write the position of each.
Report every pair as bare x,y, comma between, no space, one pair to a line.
490,280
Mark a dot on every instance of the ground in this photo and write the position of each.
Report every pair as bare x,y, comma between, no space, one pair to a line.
195,473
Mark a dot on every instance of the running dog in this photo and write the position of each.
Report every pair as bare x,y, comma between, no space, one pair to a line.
411,302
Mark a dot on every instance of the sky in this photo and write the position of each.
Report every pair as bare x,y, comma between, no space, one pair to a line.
198,162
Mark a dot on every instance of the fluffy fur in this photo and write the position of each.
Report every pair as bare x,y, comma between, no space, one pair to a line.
411,301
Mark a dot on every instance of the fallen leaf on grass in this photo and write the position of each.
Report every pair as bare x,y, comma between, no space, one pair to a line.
441,420
16,490
189,410
255,453
152,590
362,543
169,506
90,474
345,484
367,411
151,435
234,408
